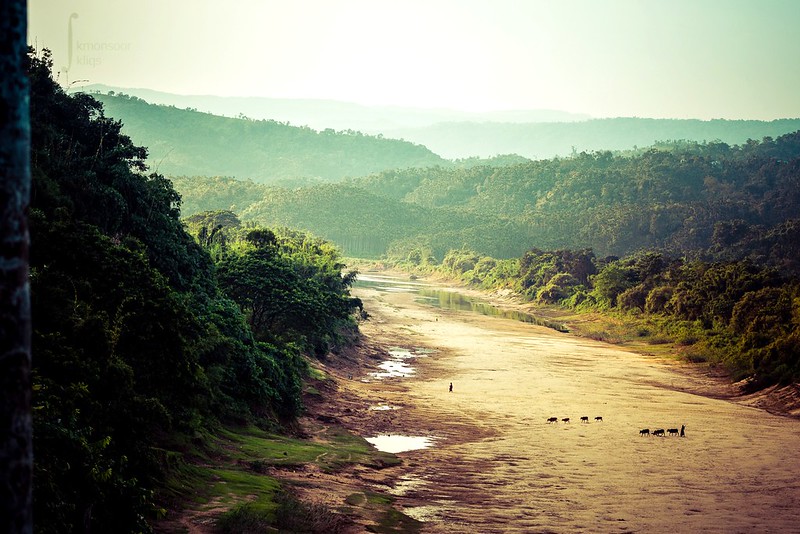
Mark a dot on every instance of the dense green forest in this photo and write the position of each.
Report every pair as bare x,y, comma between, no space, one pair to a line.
190,142
709,201
145,339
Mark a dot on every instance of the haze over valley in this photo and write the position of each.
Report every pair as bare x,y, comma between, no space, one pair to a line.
533,134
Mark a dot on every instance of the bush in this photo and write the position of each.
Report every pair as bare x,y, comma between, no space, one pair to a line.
288,514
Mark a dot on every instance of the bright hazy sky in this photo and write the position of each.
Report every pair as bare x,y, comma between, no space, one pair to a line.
647,58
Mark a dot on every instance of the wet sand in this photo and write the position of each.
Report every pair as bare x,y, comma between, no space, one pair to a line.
496,464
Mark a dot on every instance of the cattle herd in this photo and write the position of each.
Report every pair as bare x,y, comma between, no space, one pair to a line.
661,432
584,419
643,432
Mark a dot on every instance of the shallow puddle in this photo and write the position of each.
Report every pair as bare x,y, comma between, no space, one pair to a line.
397,367
393,369
382,408
395,443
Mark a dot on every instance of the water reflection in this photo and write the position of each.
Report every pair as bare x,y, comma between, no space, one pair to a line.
397,367
398,443
449,300
382,408
388,284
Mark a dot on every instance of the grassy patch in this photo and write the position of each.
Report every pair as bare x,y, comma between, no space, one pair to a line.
394,521
387,518
317,374
333,449
229,473
287,514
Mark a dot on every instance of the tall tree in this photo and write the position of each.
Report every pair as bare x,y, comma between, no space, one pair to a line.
16,451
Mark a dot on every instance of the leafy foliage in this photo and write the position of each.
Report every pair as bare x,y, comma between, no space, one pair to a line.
138,350
289,285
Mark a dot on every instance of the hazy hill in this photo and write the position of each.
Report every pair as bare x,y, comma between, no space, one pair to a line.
535,134
187,142
546,140
322,114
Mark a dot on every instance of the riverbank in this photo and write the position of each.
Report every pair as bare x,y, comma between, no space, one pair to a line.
496,464
637,335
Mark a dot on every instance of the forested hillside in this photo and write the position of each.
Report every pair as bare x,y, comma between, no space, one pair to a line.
144,343
700,200
188,142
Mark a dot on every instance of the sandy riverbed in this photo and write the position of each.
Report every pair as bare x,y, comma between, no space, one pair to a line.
498,466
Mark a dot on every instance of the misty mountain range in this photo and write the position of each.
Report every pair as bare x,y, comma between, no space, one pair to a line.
278,140
322,114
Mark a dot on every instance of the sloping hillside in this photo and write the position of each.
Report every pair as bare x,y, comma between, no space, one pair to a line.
188,142
709,200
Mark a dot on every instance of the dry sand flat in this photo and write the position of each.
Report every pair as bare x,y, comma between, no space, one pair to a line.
498,466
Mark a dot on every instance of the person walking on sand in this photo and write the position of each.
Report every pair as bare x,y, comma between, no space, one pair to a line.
451,387
683,434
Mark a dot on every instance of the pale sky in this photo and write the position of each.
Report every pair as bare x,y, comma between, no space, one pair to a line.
734,59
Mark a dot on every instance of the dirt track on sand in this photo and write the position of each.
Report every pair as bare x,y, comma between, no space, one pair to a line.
498,466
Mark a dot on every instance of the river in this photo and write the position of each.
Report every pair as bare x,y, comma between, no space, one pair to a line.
497,465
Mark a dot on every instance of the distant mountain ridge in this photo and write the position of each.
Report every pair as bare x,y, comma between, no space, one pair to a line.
185,141
323,114
559,139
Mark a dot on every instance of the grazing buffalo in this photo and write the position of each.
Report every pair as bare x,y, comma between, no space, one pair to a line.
644,432
659,432
584,419
672,431
566,419
552,419
599,418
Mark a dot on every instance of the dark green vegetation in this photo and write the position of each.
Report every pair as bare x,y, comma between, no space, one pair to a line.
190,142
707,201
735,313
143,347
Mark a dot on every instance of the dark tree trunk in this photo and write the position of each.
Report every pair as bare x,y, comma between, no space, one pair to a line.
16,456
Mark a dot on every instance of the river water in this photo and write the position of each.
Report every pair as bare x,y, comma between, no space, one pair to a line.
497,465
